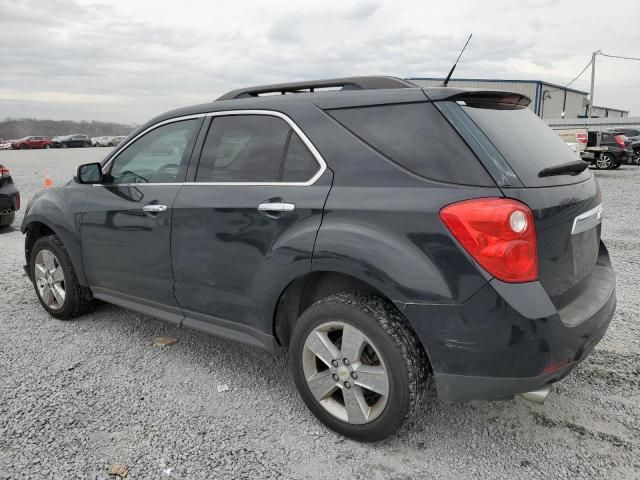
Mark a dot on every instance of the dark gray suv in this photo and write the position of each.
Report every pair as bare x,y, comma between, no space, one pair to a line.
387,235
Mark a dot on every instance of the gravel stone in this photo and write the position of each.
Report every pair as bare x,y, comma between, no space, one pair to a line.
81,395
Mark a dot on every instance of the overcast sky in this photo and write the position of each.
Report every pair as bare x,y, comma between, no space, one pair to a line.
128,60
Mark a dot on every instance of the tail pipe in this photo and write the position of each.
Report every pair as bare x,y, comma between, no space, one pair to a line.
536,396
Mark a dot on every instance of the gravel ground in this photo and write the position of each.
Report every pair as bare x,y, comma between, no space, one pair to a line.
78,396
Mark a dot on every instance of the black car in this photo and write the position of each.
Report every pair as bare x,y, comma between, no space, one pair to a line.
71,141
387,235
635,145
608,149
9,198
626,131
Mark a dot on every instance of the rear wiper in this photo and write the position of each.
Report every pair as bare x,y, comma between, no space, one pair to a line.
572,168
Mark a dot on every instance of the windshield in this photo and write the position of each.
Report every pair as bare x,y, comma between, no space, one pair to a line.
527,144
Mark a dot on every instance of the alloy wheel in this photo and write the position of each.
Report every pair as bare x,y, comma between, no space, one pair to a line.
345,372
636,157
604,162
49,278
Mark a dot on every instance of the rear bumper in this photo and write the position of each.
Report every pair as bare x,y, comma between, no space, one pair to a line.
8,197
510,338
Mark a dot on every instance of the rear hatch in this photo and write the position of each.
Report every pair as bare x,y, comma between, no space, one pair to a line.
545,175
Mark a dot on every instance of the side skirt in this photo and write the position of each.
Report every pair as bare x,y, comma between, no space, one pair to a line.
218,327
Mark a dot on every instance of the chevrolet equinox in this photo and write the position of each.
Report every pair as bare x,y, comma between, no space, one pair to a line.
388,236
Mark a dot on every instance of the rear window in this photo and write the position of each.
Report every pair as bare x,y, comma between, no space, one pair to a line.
417,137
527,144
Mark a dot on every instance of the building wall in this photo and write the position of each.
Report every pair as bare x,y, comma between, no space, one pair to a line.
605,112
554,101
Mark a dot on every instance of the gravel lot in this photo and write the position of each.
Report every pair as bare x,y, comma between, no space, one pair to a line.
78,396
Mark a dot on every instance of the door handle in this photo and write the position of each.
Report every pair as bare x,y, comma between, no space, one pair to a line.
153,208
276,207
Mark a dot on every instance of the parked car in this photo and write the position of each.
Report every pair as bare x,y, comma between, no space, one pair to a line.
608,149
71,141
627,131
386,234
635,145
9,198
27,143
115,141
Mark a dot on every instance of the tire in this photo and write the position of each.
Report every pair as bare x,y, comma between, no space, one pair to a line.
636,157
391,360
7,219
47,146
604,161
64,145
615,165
77,300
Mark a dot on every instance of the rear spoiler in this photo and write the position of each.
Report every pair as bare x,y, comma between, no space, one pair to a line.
496,99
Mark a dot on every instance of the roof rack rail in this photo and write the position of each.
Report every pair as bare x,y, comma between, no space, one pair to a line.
347,83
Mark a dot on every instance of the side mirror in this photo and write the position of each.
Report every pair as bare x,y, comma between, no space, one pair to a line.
89,173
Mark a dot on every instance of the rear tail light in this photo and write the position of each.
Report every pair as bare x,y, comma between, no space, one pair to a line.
620,140
4,172
582,137
498,233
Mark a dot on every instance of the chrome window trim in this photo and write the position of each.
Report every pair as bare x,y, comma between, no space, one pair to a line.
314,151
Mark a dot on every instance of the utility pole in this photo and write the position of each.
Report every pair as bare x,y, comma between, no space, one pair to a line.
593,79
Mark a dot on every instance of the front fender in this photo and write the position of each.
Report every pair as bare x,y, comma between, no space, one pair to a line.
57,208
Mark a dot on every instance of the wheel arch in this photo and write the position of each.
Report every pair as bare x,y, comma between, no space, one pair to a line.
307,289
40,227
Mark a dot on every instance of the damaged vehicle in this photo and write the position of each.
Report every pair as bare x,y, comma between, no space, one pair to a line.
389,236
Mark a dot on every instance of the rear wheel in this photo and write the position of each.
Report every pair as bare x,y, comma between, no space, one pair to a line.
636,157
7,217
357,365
55,280
604,161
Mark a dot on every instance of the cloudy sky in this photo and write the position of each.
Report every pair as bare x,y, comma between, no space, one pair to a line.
127,60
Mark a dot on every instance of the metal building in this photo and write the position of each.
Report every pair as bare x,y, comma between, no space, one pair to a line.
548,100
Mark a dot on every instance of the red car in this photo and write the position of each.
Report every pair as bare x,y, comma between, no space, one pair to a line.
31,142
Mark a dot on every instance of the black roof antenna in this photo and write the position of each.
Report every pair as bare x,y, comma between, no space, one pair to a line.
446,80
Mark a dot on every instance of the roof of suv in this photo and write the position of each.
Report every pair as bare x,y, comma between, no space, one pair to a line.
335,93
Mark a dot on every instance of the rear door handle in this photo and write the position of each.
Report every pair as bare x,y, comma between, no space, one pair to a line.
276,207
153,208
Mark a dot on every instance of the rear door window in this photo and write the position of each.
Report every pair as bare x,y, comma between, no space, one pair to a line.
254,149
418,138
527,144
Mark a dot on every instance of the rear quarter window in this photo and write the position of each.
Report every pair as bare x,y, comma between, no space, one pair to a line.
418,138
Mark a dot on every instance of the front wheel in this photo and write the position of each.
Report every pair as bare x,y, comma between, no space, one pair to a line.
636,157
55,280
357,365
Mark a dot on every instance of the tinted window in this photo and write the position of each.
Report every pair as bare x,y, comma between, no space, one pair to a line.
417,137
299,164
160,156
526,143
253,148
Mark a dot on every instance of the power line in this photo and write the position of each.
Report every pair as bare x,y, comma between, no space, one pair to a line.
618,56
580,74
